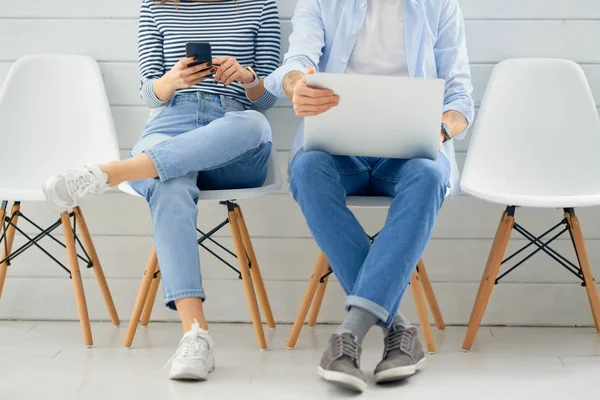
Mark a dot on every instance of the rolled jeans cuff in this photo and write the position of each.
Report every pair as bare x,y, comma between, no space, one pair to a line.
184,294
162,174
372,307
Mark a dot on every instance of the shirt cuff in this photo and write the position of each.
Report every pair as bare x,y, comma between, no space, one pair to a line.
274,82
465,113
266,101
148,95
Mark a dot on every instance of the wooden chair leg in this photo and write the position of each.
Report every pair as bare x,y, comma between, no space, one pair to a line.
259,284
247,279
584,262
8,244
82,309
430,295
489,278
319,270
315,309
140,300
88,245
149,305
418,295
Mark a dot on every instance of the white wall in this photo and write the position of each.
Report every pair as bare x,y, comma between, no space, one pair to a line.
538,293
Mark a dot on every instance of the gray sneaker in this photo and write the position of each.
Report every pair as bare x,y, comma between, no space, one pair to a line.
341,362
403,355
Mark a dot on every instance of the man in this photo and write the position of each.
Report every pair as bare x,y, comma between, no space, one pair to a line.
416,38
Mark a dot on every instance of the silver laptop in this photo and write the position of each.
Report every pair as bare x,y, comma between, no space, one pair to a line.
378,116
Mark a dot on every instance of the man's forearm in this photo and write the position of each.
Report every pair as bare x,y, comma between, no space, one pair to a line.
457,123
290,80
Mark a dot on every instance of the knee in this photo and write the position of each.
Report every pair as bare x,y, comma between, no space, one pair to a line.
173,191
255,125
430,177
306,167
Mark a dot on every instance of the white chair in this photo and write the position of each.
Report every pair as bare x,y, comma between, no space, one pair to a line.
535,144
420,284
54,116
249,270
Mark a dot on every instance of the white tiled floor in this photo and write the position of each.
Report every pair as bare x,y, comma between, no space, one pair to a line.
45,360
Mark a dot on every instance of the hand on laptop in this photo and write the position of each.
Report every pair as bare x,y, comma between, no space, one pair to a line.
310,102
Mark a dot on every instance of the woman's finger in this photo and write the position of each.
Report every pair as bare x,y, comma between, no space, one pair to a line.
220,60
230,63
230,75
198,77
234,77
198,68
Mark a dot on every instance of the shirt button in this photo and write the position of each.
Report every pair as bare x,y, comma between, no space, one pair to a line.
344,60
354,32
363,5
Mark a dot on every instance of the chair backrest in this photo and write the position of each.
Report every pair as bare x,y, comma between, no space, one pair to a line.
537,133
54,115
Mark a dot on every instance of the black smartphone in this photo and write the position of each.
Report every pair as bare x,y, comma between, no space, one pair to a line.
202,51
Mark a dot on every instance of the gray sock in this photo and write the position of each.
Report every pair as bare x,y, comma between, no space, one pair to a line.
400,319
358,322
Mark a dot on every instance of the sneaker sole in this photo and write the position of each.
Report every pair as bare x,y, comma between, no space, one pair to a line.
345,380
398,373
192,375
188,376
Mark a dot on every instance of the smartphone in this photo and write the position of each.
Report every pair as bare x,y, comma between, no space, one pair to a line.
202,51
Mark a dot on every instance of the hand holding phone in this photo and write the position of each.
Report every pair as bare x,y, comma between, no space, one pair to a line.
182,76
200,51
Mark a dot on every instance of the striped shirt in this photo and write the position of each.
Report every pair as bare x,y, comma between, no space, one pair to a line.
248,30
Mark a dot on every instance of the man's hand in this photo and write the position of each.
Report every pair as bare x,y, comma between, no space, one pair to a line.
308,102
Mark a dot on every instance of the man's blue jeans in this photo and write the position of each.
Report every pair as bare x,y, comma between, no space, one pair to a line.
198,142
374,276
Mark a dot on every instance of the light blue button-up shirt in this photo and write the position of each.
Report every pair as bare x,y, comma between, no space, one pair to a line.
325,32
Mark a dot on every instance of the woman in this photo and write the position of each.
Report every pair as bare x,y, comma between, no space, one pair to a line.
201,136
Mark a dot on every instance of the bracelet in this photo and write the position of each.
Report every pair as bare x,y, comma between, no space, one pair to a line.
254,83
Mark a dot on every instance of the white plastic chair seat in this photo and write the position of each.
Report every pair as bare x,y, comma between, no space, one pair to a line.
373,201
535,201
41,140
272,184
536,139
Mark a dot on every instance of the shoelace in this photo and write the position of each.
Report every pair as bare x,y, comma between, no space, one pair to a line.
191,347
345,346
84,183
398,339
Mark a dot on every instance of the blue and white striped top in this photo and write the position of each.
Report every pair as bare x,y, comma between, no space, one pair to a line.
248,30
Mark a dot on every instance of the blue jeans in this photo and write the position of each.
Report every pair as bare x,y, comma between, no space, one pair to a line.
374,276
197,142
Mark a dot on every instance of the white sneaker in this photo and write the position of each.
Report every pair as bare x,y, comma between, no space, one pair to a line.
194,359
67,190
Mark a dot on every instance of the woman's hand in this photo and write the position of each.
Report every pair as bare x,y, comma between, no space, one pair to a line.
230,70
181,76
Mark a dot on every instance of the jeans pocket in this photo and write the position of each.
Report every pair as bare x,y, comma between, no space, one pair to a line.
156,112
228,104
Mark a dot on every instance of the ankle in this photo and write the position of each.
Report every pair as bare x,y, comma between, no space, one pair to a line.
358,323
111,180
400,319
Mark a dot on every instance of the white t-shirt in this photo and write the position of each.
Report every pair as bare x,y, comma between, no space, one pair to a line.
381,48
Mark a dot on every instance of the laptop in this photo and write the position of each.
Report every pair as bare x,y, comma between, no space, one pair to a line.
378,116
